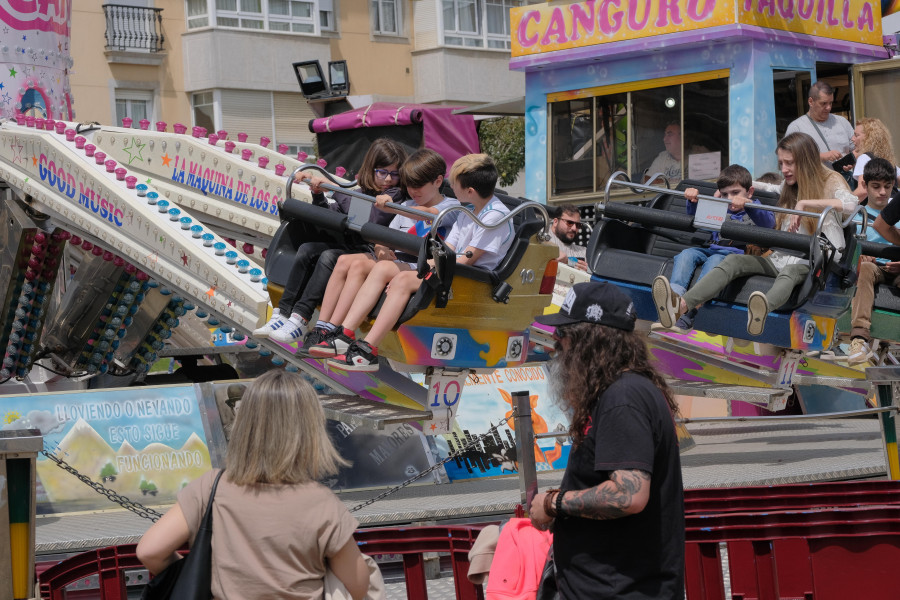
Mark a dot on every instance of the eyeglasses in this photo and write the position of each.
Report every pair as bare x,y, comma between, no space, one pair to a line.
384,174
571,223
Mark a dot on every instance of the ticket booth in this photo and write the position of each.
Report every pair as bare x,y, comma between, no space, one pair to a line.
18,452
683,87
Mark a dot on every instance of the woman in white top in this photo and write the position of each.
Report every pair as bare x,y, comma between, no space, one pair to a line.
871,139
805,177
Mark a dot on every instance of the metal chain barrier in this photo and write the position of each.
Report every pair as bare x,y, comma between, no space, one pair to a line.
453,455
149,513
123,501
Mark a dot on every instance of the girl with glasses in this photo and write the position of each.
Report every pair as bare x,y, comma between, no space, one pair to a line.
315,260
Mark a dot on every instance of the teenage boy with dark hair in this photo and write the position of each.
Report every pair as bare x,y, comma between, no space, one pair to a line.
883,208
736,184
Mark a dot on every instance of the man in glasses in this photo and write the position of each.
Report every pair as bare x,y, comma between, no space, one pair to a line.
618,519
563,231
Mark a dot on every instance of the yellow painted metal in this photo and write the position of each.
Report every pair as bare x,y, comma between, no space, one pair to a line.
19,540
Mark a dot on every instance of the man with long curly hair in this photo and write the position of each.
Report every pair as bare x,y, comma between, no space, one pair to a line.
618,520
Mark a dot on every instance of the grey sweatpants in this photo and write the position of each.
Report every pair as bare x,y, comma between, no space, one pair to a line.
741,265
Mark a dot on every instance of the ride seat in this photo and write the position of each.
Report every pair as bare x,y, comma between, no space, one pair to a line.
526,225
301,223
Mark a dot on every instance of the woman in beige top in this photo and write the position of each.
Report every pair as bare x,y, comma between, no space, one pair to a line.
275,529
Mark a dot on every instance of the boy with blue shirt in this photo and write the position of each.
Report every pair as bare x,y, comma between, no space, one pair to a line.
736,184
881,205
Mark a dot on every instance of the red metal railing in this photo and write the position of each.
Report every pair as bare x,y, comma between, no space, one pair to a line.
806,542
111,563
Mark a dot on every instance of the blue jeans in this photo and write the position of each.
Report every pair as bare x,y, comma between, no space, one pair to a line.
687,261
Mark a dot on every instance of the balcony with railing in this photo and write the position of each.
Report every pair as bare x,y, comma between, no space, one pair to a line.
132,31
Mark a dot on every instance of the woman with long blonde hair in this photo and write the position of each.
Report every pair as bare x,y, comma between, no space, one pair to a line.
871,139
275,528
807,185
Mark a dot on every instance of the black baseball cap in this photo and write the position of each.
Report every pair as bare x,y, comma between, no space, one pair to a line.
594,302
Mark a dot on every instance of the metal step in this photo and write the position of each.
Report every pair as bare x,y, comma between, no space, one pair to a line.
762,396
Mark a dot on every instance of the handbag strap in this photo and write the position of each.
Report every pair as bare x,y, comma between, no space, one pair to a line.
819,131
207,516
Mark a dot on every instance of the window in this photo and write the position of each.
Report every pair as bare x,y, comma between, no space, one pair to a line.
134,104
197,14
290,16
204,110
477,23
386,17
679,130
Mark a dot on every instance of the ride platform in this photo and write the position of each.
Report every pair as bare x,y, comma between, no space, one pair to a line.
727,454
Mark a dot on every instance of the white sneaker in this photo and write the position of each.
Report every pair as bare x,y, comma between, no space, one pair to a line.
273,324
859,352
288,333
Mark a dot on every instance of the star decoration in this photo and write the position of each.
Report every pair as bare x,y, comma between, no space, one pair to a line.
134,150
162,239
149,181
6,98
24,38
166,159
34,160
211,292
12,72
185,258
229,303
433,426
2,86
17,148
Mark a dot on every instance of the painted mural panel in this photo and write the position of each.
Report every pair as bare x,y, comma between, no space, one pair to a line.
34,58
487,400
545,28
144,443
850,20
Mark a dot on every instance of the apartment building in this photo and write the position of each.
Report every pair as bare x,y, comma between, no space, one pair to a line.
226,64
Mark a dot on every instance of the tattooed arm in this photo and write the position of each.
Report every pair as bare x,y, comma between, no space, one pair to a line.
624,493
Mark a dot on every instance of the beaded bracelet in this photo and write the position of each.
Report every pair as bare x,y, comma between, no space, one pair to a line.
549,508
559,509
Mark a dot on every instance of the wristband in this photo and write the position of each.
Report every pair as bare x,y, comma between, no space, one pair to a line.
558,509
549,508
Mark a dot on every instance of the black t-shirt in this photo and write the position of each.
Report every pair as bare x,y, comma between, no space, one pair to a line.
891,213
640,556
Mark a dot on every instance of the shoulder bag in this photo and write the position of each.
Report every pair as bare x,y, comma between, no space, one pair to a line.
191,577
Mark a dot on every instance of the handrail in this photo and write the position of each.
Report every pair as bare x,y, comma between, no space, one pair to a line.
521,208
820,217
345,189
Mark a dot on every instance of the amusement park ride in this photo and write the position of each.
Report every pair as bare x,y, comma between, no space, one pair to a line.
145,216
141,218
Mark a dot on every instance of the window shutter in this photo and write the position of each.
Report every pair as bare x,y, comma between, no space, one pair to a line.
292,116
248,112
426,24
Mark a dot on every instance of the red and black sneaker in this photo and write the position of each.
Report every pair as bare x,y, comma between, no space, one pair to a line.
313,337
360,356
336,342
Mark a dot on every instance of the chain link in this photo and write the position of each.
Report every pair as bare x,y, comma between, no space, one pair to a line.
149,513
452,456
123,501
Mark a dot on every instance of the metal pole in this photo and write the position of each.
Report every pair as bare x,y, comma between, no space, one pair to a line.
525,447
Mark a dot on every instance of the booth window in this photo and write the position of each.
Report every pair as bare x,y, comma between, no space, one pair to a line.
477,23
679,130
